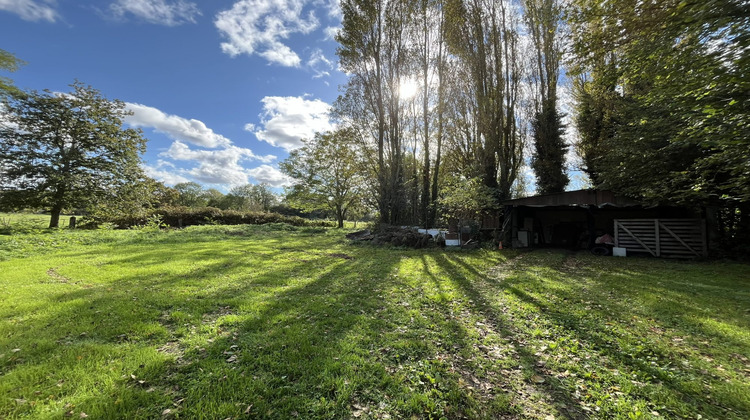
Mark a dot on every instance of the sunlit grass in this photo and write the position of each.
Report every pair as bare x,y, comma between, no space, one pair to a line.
281,322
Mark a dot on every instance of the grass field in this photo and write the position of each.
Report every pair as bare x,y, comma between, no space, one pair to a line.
278,322
26,222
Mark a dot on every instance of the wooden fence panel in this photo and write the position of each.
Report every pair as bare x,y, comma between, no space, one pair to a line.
684,238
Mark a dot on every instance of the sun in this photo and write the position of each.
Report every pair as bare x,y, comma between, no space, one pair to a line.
408,88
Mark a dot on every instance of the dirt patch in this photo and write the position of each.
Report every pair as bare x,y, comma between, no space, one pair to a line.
56,276
342,256
52,272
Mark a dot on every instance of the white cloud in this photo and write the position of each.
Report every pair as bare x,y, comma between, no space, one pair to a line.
320,64
331,32
216,160
31,10
160,12
177,128
221,167
287,120
260,26
227,156
269,175
168,177
333,7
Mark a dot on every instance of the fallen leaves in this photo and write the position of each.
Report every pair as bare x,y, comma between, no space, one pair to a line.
537,379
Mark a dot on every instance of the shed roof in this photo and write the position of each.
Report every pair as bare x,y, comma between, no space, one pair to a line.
599,198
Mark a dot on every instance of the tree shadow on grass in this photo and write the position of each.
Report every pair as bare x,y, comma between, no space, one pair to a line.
536,379
136,313
606,326
317,334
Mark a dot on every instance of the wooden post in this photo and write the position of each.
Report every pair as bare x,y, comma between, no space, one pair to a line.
617,233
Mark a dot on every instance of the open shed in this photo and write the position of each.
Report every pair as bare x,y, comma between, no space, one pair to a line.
574,219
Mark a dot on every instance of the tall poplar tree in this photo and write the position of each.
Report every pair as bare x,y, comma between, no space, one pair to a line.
543,19
373,50
483,35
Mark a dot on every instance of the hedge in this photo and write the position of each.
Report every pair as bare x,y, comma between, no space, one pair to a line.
190,216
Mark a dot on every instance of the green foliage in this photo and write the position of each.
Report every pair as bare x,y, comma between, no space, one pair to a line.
328,174
548,160
214,197
133,201
190,194
667,106
484,38
8,62
543,19
250,197
181,216
66,150
466,198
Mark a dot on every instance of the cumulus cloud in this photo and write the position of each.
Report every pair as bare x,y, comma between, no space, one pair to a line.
169,176
287,120
31,10
213,159
227,156
221,167
261,26
177,128
160,12
267,174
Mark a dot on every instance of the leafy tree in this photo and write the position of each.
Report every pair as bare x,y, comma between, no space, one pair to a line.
132,201
663,110
213,197
466,198
265,197
374,50
548,161
327,172
483,35
9,63
679,121
543,19
251,197
61,150
190,194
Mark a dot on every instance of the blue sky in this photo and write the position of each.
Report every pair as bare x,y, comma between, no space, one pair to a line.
223,89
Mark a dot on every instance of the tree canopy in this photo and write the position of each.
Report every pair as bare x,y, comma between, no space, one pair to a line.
663,97
65,150
8,62
327,172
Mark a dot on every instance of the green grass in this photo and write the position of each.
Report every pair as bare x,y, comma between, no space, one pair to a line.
27,222
279,322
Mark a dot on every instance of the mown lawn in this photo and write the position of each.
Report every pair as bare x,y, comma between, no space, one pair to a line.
279,322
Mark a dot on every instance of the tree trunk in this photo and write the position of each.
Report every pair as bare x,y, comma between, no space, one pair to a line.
54,220
340,215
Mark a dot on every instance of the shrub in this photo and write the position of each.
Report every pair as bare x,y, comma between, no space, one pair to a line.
191,216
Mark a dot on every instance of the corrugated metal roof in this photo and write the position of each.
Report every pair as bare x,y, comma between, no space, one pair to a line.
594,197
